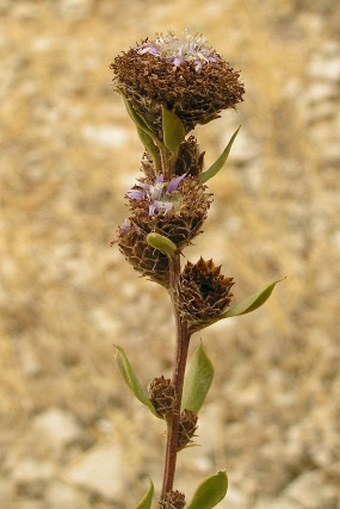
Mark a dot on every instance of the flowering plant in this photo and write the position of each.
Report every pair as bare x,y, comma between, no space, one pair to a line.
169,85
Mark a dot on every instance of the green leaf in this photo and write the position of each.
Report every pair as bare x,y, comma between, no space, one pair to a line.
162,243
210,492
173,130
131,379
146,501
219,163
197,380
148,143
251,303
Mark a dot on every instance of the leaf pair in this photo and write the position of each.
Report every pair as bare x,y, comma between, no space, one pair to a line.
173,135
208,494
172,127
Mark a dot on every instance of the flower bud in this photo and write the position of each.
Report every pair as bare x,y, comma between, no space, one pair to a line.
187,428
162,395
173,500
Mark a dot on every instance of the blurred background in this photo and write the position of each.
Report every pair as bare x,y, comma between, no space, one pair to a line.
72,436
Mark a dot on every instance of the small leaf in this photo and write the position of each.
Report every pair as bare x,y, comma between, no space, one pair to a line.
173,130
132,380
197,381
146,501
148,143
251,303
162,243
210,492
219,163
140,121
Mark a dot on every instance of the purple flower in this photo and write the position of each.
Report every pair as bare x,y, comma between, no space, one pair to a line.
160,195
188,48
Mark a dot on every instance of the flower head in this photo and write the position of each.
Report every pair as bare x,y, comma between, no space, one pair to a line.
205,293
183,74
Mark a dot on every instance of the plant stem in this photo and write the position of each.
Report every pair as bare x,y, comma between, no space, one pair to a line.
182,347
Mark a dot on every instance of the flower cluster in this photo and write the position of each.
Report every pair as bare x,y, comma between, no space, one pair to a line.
176,209
184,75
188,48
188,77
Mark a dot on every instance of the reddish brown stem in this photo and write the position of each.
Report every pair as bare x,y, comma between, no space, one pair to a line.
182,346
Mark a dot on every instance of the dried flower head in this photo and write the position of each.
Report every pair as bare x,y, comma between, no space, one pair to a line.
183,74
162,395
205,293
174,500
187,428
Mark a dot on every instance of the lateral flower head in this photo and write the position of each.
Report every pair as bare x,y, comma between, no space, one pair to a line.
161,196
205,293
175,209
182,74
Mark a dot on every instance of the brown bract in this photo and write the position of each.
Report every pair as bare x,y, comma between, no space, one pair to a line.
196,97
205,293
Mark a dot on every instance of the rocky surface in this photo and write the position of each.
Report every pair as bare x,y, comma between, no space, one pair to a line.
71,435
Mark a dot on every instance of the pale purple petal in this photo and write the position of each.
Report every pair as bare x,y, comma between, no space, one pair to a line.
174,183
160,178
136,194
178,61
125,227
152,208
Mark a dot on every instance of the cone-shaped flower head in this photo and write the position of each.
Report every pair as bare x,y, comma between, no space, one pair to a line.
205,293
183,74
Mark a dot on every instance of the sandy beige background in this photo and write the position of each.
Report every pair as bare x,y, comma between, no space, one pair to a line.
71,435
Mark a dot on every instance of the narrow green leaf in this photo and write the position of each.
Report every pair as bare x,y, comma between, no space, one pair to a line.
146,501
173,130
131,379
148,143
219,163
251,303
162,243
140,121
210,492
197,380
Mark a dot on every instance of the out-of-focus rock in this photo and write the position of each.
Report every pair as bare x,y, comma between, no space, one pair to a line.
58,427
100,470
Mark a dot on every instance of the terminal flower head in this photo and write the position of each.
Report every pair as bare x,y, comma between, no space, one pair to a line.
183,74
